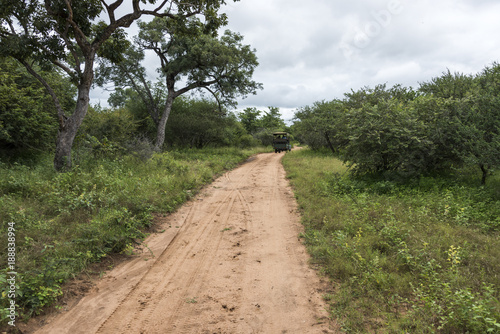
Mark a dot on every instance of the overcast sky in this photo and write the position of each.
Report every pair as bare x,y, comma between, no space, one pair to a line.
320,49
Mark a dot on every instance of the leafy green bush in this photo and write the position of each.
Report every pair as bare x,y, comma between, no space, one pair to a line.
451,122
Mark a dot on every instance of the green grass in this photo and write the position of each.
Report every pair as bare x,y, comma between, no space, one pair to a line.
422,257
66,221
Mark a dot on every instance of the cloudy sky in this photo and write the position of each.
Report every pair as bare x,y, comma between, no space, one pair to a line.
317,50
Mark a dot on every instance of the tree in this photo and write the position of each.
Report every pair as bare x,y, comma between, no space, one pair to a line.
449,85
372,96
322,125
272,120
262,128
61,33
441,131
385,137
250,119
189,52
484,121
130,74
199,123
471,125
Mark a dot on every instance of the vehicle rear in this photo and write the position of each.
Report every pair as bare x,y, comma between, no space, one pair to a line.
281,142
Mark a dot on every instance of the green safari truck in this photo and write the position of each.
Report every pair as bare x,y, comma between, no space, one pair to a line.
281,142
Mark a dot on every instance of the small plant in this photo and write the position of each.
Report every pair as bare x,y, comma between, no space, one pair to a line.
128,250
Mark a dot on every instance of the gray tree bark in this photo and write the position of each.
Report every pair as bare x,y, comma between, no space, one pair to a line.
160,134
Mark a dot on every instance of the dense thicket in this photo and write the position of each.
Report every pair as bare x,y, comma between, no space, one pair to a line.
451,121
28,118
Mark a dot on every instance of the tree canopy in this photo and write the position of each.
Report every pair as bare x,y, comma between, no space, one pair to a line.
188,53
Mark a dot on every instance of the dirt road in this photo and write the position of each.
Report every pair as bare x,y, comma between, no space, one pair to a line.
229,261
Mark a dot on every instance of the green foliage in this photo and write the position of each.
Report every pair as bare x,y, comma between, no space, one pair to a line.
417,257
65,35
384,137
321,125
249,117
449,85
261,124
107,133
198,123
115,46
450,309
27,115
272,120
188,51
451,122
264,136
484,121
118,125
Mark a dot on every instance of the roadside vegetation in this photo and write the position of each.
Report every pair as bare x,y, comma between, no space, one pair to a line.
400,192
415,257
449,122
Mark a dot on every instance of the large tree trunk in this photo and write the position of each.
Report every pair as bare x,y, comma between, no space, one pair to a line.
160,134
68,128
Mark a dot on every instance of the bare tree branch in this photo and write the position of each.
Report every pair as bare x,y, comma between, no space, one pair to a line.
111,9
55,99
216,98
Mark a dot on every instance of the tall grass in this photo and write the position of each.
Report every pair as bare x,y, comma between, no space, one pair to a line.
422,257
65,221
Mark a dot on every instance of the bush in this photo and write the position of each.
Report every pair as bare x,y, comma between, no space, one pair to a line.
264,136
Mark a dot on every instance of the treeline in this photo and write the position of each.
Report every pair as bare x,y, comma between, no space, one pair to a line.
29,124
451,121
87,45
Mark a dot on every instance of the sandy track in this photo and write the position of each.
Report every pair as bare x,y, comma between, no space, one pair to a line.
229,261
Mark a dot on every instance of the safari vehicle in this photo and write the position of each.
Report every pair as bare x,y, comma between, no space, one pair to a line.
281,142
